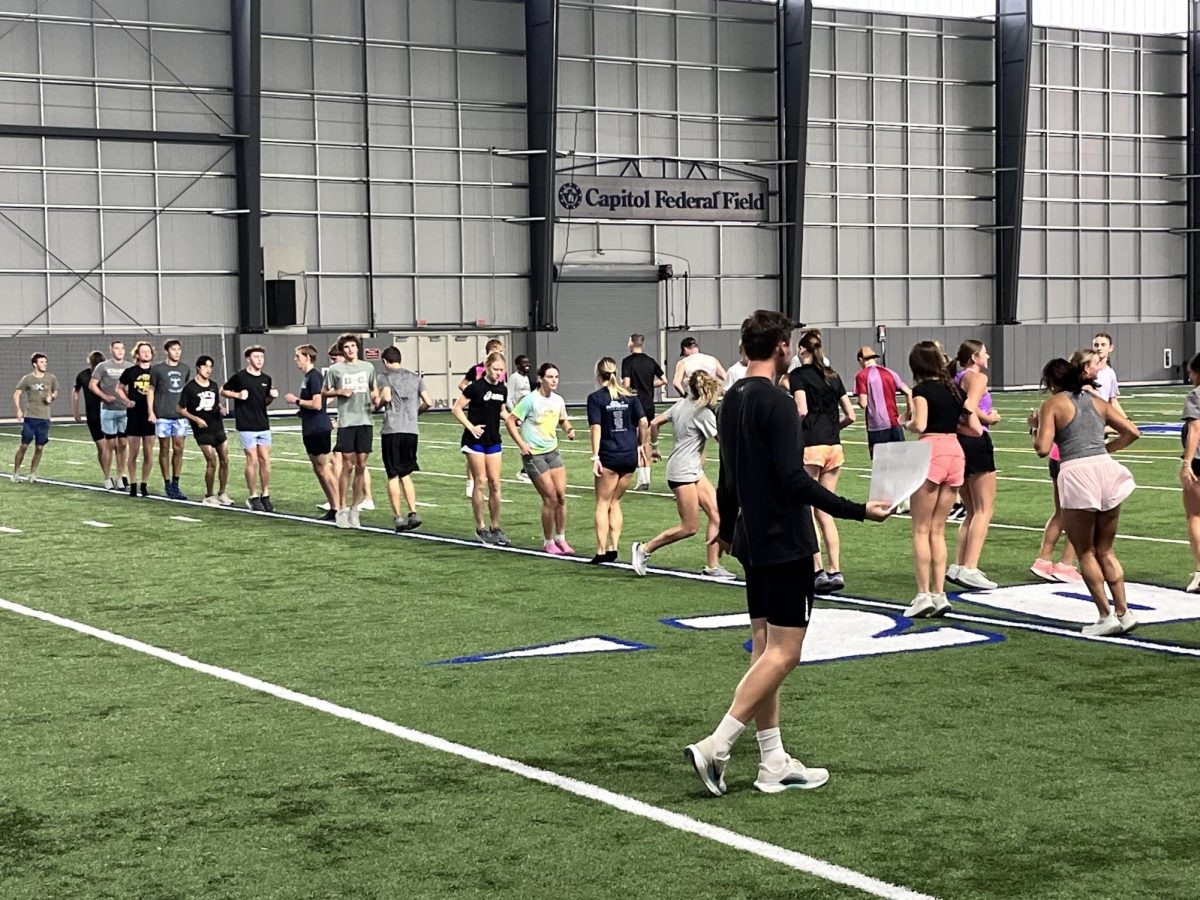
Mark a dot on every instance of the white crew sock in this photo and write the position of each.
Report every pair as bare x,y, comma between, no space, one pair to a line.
770,747
727,732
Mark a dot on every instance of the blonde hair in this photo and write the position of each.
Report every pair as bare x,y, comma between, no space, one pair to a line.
606,374
705,389
1083,357
494,357
139,345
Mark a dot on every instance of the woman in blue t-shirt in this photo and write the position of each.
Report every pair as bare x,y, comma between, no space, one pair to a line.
620,444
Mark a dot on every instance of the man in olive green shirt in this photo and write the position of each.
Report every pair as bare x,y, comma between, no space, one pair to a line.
32,398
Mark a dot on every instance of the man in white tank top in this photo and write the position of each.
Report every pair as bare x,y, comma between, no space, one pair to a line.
691,359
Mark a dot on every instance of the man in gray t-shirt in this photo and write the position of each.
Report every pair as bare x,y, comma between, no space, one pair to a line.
105,378
166,387
353,383
403,396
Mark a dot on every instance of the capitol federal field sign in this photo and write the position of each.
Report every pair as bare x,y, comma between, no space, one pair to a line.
708,199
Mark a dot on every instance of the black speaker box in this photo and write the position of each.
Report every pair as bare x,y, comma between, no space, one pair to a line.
281,303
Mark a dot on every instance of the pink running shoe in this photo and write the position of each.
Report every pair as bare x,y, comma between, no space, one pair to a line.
566,548
1044,569
1067,574
553,549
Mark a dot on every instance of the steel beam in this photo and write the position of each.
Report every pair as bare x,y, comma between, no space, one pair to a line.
541,94
246,33
1193,162
1014,51
59,132
795,57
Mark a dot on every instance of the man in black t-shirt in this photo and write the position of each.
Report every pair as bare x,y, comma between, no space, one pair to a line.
316,428
133,389
199,404
254,391
764,495
642,374
91,404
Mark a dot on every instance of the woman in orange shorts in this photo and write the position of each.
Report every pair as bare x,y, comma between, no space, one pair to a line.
939,417
825,409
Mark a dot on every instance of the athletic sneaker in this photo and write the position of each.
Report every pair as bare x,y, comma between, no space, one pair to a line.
644,486
708,766
324,507
1128,621
109,484
902,508
142,489
124,483
957,513
179,495
413,521
133,490
400,524
639,557
552,548
485,536
1067,574
368,505
974,578
224,499
952,571
169,490
922,605
791,776
521,476
597,559
342,518
267,505
1194,585
566,548
255,504
355,521
470,487
210,500
16,477
836,581
500,538
821,582
1110,624
1044,569
718,572
941,605
33,477
328,516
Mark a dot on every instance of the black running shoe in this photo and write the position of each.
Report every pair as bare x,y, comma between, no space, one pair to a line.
133,490
179,495
610,556
255,503
414,521
267,506
144,490
596,560
329,516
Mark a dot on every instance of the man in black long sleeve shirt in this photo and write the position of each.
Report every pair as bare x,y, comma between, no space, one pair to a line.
764,497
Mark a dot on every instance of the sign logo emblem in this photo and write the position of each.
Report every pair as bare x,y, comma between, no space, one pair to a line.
570,195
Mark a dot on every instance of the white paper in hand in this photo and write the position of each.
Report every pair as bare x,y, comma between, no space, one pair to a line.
898,470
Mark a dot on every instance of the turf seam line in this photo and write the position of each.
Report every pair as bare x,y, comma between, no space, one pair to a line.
792,859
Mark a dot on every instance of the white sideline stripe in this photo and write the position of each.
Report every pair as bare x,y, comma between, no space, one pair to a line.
790,858
185,519
579,487
4,529
93,522
431,505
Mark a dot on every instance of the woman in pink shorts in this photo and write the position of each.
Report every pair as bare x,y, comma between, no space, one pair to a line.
1091,484
938,416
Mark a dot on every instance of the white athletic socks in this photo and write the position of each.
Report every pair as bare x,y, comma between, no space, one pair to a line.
643,476
727,732
770,746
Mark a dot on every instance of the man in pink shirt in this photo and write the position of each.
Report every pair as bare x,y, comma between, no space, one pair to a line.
876,387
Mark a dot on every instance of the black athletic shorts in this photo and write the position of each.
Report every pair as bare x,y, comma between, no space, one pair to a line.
400,455
209,437
1054,467
139,428
980,457
782,594
354,439
94,427
678,484
1196,467
622,465
318,444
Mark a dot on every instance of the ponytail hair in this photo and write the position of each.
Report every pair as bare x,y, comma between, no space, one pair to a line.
1059,375
929,363
606,374
811,342
966,352
705,389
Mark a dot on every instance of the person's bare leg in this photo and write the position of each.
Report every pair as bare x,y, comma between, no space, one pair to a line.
477,474
983,497
492,468
616,516
1081,529
938,554
1114,574
922,505
828,525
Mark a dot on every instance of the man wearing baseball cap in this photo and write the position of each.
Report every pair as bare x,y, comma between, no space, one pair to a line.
876,387
690,360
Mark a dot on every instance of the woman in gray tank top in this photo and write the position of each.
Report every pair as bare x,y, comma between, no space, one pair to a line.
1091,484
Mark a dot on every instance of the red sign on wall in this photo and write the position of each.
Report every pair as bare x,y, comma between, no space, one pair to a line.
371,354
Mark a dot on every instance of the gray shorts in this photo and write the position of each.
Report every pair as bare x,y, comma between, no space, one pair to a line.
539,464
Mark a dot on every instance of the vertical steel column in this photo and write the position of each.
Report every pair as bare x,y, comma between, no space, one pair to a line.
795,56
1193,162
1014,51
366,111
246,32
541,98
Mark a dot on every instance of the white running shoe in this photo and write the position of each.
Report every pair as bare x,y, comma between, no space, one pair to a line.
368,505
33,477
1128,621
952,571
16,476
210,500
973,578
521,476
793,775
941,605
324,507
639,558
109,484
224,499
1110,624
718,572
1194,585
709,767
342,518
355,522
470,487
922,605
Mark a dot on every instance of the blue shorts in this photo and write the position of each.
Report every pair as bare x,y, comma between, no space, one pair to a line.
113,421
252,439
171,428
479,448
35,430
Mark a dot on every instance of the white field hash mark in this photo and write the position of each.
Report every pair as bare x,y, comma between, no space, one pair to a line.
96,524
790,858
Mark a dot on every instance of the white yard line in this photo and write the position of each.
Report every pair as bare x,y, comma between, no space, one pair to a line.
790,858
94,523
4,529
185,519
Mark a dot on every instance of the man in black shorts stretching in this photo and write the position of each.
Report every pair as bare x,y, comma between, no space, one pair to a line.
762,487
